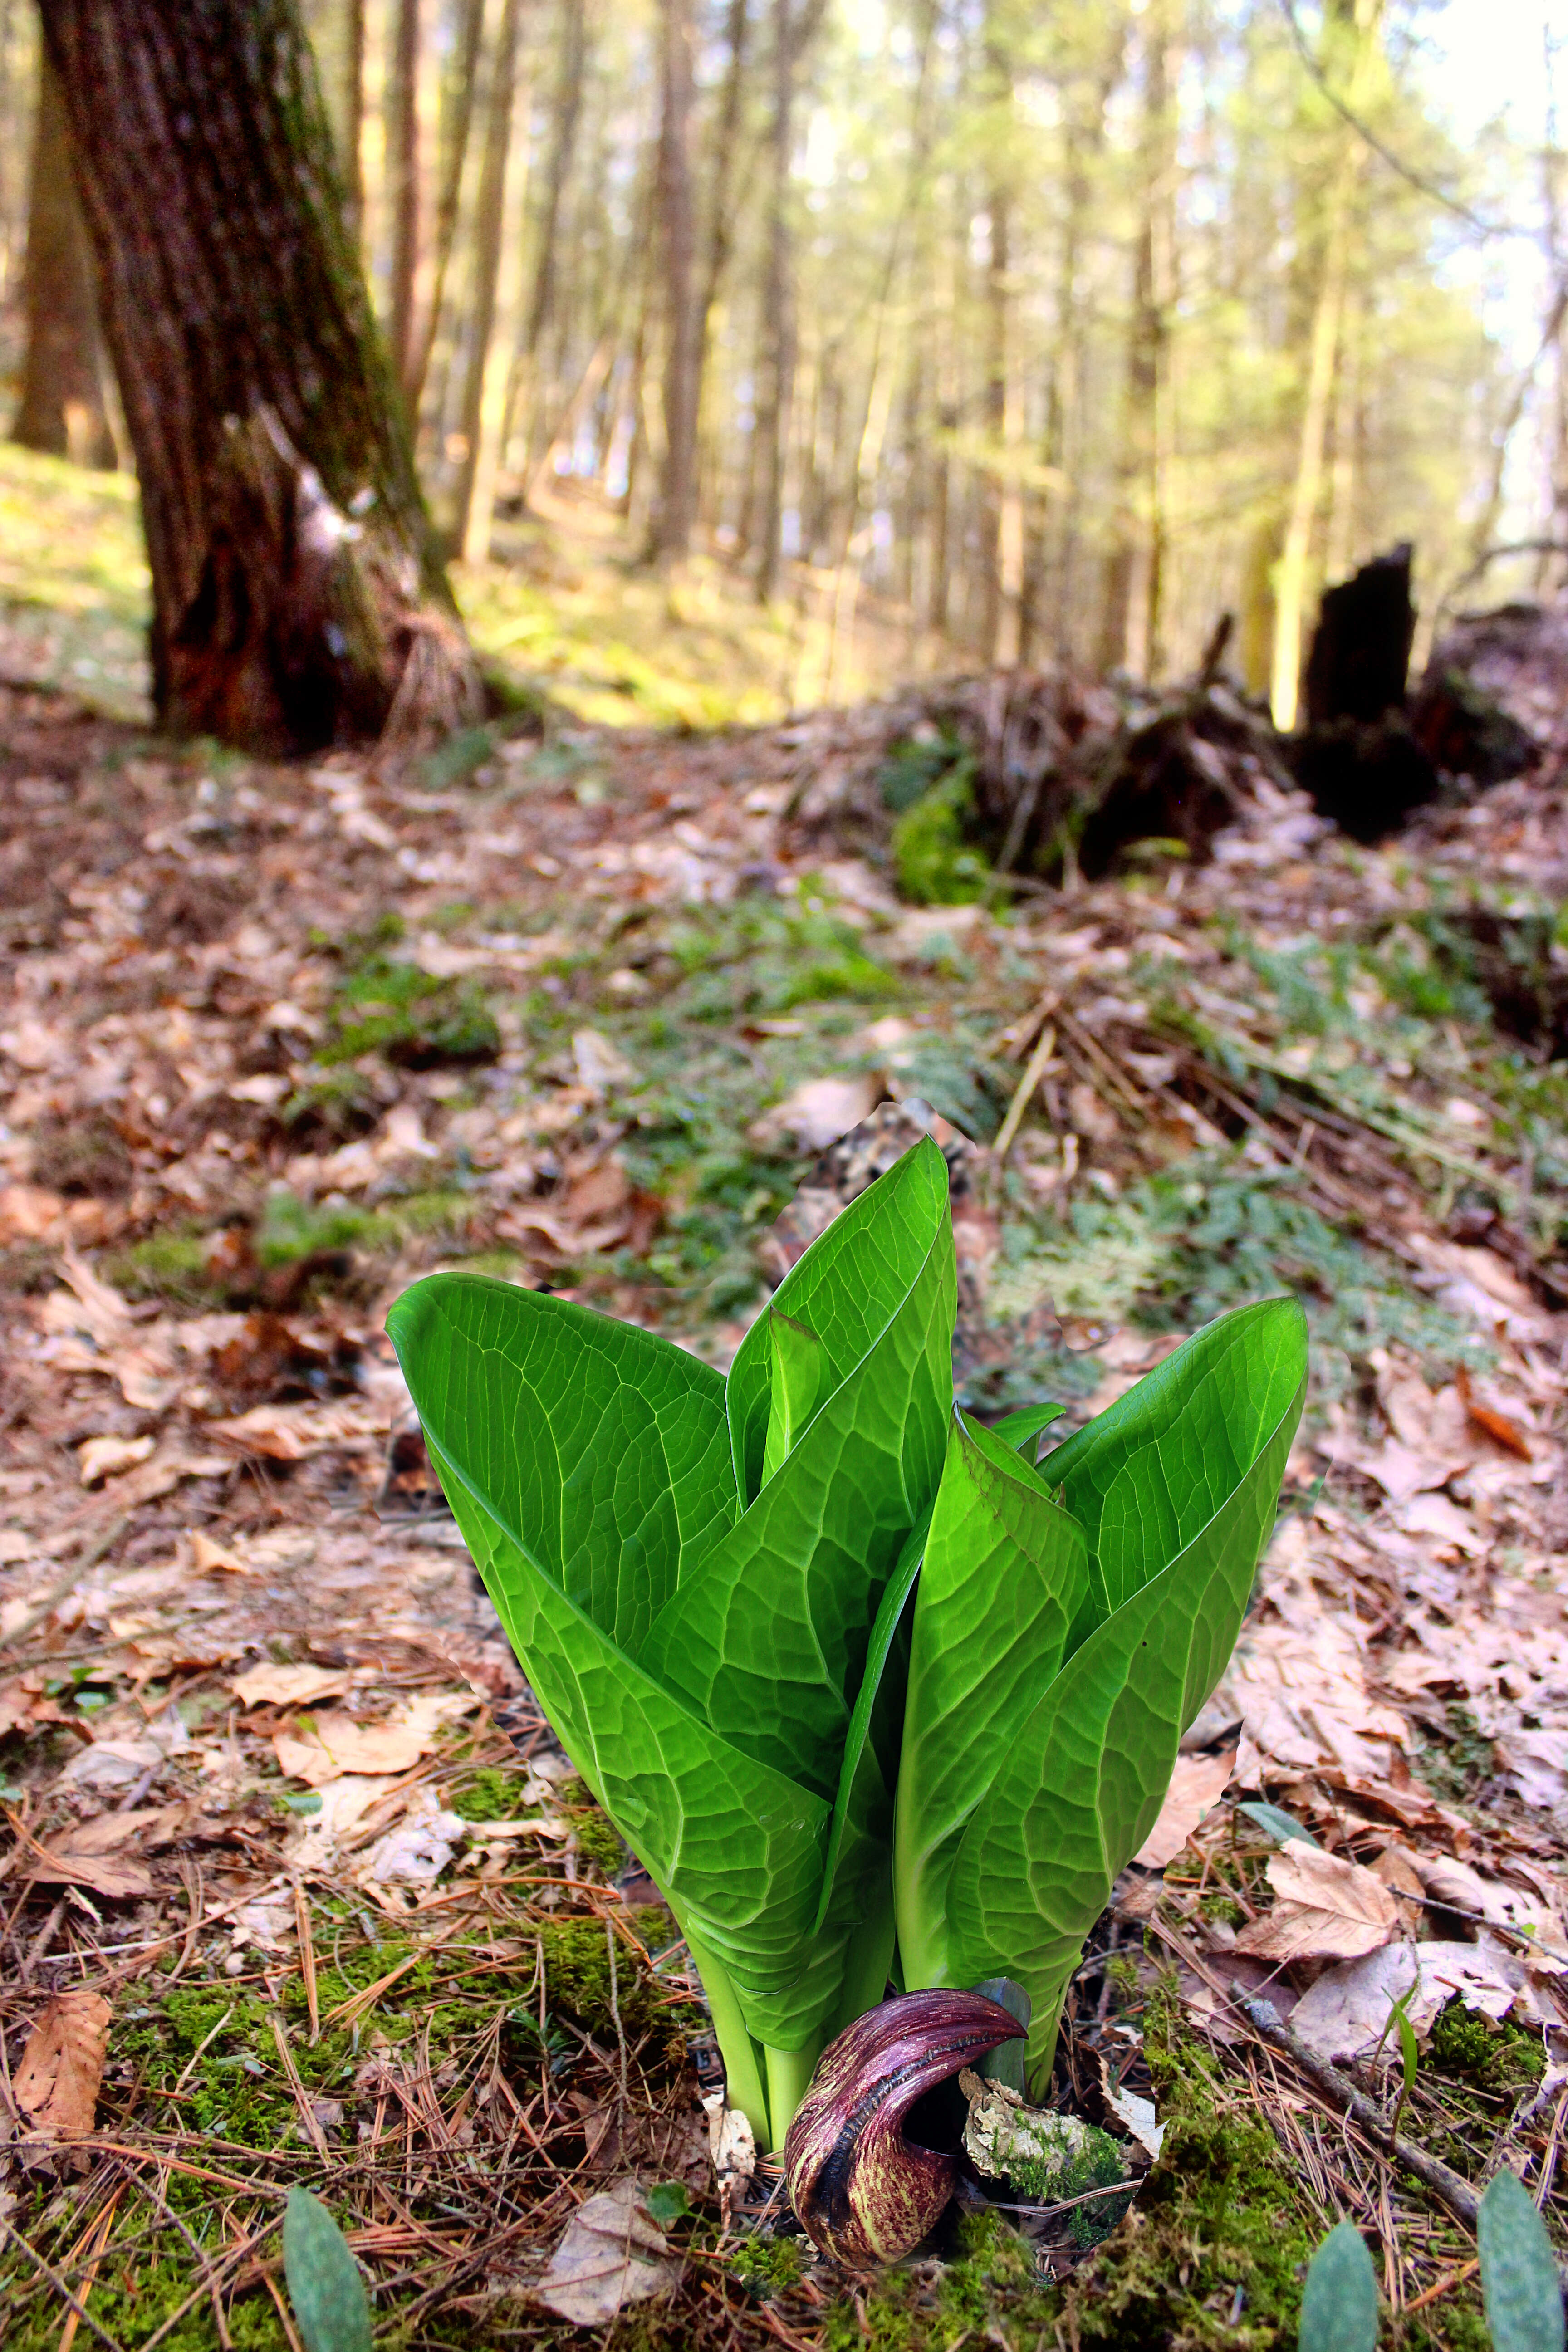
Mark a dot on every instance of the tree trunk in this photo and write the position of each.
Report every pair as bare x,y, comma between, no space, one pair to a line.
490,355
720,202
1322,361
299,599
566,115
1066,434
61,408
354,117
777,371
672,528
1001,522
456,123
1130,632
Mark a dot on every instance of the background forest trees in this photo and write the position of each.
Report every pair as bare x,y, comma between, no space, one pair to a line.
1050,330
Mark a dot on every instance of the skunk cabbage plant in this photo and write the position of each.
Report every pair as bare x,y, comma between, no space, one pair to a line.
867,1693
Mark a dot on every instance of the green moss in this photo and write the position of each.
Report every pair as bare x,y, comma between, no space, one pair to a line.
577,1982
598,1840
931,858
332,1109
389,1006
292,1229
489,1796
171,1264
767,2266
1221,2212
1502,2059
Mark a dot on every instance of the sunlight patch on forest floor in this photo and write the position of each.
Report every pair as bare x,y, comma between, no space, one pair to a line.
564,606
74,585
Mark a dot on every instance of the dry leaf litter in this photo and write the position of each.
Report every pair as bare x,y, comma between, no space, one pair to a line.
297,1886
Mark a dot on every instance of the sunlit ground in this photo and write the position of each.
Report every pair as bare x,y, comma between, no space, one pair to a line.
563,604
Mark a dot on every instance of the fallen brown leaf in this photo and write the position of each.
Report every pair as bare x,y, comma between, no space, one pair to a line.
1329,1910
612,2253
1347,2011
1197,1784
274,1685
55,2085
289,1432
105,1457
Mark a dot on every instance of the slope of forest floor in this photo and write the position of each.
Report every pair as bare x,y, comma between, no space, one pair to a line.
298,1887
563,604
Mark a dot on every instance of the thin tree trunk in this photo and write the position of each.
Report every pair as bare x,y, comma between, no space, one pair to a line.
297,596
490,355
458,123
1065,434
721,211
677,481
1323,348
353,116
61,409
778,322
411,108
1130,628
1002,526
566,115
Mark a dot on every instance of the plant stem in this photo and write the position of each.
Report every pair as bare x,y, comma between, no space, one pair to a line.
789,2072
743,2084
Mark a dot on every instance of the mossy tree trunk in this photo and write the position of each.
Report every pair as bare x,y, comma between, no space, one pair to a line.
299,599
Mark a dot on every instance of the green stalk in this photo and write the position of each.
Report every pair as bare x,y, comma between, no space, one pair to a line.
866,1969
743,2081
789,2072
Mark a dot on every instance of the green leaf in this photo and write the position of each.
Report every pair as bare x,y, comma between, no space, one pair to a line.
845,1290
863,1812
668,2201
1082,1782
1006,2064
324,2282
603,1448
1275,1823
767,1638
796,1386
1338,2304
1146,1475
1007,1573
1519,2271
735,1846
1016,1429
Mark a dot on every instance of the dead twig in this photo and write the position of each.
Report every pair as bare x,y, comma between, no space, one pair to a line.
1457,2194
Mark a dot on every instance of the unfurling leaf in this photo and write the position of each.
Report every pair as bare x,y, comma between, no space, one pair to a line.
324,2282
1338,2305
1519,2271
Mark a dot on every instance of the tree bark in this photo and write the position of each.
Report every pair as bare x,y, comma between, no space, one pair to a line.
299,599
404,173
490,355
61,408
457,125
1361,19
672,525
778,324
1000,510
720,213
565,114
1130,632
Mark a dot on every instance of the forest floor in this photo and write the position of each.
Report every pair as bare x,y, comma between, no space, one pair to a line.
282,1901
563,604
